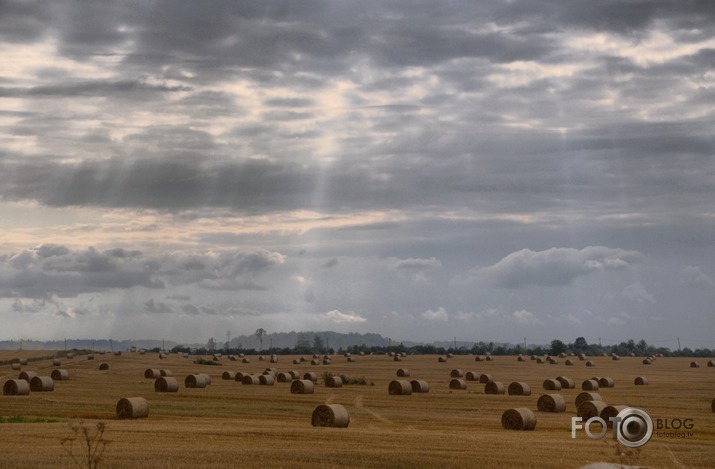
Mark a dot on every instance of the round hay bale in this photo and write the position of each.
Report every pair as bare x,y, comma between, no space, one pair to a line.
250,379
590,385
56,362
606,382
640,381
310,375
315,362
27,375
42,384
519,389
471,376
694,365
494,387
274,359
132,408
539,360
562,355
551,403
294,374
399,387
166,373
284,377
152,373
16,387
16,366
60,375
302,386
456,373
568,362
582,356
330,415
590,409
520,418
296,361
490,358
403,373
615,357
419,386
166,384
552,385
589,363
711,363
553,361
647,361
246,360
70,356
397,358
587,396
103,366
611,411
229,375
441,359
195,381
90,356
457,383
334,382
270,370
520,358
266,380
24,361
485,378
207,378
566,382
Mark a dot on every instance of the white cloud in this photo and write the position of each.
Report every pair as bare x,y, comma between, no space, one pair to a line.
527,318
693,276
637,293
339,317
440,314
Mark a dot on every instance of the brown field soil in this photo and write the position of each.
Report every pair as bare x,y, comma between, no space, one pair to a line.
228,424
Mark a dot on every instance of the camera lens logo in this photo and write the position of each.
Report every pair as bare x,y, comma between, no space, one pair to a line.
633,427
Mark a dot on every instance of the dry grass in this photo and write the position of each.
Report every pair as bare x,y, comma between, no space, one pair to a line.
228,422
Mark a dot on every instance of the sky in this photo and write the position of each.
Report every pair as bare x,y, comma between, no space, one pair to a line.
496,170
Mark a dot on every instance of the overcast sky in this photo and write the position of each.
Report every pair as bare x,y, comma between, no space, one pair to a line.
485,170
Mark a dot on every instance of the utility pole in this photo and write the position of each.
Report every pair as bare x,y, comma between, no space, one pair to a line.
599,341
455,343
678,344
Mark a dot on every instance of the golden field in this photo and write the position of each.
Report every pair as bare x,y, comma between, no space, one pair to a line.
228,424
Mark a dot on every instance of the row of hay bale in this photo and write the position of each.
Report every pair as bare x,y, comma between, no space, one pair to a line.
21,387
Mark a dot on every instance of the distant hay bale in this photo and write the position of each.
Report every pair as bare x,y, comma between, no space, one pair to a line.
647,361
229,375
60,375
24,361
162,356
456,373
399,387
606,382
552,385
397,358
589,363
195,381
56,362
152,373
711,363
582,356
640,381
166,373
520,418
484,378
552,361
16,366
587,396
90,356
532,357
16,387
590,409
330,415
441,359
310,375
260,358
615,357
274,358
562,355
419,386
315,355
479,358
250,379
132,408
551,403
694,365
166,384
520,358
568,362
494,387
315,362
566,382
70,356
611,411
284,377
517,388
471,376
457,383
266,380
450,355
403,373
302,386
296,361
539,360
118,354
589,385
42,384
245,360
333,382
103,366
490,358
27,375
207,378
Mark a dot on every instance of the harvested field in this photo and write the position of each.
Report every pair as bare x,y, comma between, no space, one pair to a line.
227,422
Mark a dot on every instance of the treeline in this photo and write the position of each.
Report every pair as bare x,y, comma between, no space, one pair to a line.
317,345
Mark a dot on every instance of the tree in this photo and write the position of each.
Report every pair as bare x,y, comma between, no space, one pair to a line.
318,344
260,334
557,347
580,344
211,345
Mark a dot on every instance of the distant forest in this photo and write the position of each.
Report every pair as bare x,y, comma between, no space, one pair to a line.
297,343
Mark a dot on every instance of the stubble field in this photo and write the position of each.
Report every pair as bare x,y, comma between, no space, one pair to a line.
228,424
